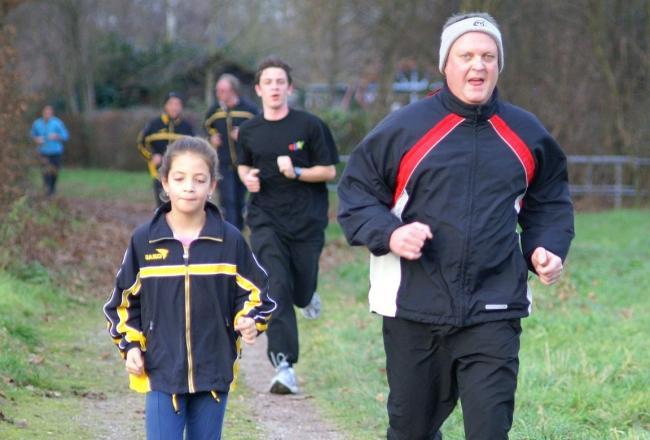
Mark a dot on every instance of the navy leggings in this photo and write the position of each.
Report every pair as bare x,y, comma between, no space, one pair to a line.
200,415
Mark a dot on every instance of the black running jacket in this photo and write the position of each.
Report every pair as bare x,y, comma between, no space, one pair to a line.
473,174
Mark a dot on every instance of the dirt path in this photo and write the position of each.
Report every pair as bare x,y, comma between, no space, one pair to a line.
281,417
102,410
278,417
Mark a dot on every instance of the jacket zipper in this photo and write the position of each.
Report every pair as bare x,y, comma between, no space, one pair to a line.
468,235
188,340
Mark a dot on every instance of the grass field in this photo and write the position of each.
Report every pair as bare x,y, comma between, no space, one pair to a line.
584,359
106,185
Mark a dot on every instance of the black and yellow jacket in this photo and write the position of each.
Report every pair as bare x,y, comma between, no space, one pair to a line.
222,120
180,308
159,133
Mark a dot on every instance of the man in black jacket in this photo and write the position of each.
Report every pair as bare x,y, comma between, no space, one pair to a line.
436,192
160,132
222,123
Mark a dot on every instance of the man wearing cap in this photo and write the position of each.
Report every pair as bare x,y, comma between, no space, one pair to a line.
160,132
436,192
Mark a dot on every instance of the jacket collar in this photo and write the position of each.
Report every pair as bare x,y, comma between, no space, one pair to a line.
167,119
213,229
477,112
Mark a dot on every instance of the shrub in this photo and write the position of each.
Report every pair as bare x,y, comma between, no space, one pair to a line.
14,156
348,127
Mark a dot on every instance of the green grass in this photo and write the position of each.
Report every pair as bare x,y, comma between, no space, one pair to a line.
584,359
106,185
32,315
585,350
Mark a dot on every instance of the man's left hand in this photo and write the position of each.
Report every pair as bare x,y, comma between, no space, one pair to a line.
285,165
547,265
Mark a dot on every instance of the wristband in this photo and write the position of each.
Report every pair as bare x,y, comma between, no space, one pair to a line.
298,172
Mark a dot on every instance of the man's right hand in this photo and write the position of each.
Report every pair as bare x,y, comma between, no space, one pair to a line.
134,361
407,241
156,159
252,181
215,140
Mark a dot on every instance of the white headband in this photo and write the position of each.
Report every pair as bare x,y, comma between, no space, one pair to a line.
471,24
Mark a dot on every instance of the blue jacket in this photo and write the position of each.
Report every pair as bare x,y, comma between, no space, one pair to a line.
474,174
179,308
44,129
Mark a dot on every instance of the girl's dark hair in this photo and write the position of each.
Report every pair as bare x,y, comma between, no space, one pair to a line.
272,62
189,144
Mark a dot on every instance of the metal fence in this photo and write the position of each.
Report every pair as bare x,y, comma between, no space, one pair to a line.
615,177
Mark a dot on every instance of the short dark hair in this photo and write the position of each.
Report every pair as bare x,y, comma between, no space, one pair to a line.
272,62
176,95
190,144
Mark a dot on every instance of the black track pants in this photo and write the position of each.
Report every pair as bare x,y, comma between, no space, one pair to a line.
430,366
292,267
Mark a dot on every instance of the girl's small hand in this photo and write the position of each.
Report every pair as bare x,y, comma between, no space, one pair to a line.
246,327
134,361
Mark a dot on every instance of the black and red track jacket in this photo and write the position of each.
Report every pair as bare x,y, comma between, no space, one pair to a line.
472,173
179,308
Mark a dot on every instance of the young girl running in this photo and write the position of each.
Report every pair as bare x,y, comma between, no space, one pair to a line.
188,289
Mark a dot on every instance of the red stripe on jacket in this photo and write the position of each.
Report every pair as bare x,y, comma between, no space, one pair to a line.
422,147
517,145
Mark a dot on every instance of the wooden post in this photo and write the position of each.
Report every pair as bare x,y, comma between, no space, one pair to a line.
590,177
208,91
618,195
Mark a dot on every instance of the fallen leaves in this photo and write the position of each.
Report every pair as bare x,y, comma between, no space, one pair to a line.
36,359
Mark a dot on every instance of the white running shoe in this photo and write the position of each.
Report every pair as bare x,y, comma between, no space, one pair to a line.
313,309
284,381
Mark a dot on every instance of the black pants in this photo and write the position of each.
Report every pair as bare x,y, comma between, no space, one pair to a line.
158,192
430,366
232,195
51,163
292,267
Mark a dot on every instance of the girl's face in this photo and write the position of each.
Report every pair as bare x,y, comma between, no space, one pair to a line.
188,183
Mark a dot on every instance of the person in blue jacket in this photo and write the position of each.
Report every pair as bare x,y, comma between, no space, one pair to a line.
49,133
437,192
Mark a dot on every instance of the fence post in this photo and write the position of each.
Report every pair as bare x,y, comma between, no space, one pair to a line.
618,195
590,177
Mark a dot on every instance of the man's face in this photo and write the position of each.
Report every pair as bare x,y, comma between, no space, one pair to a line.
48,112
174,107
225,92
472,68
274,88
